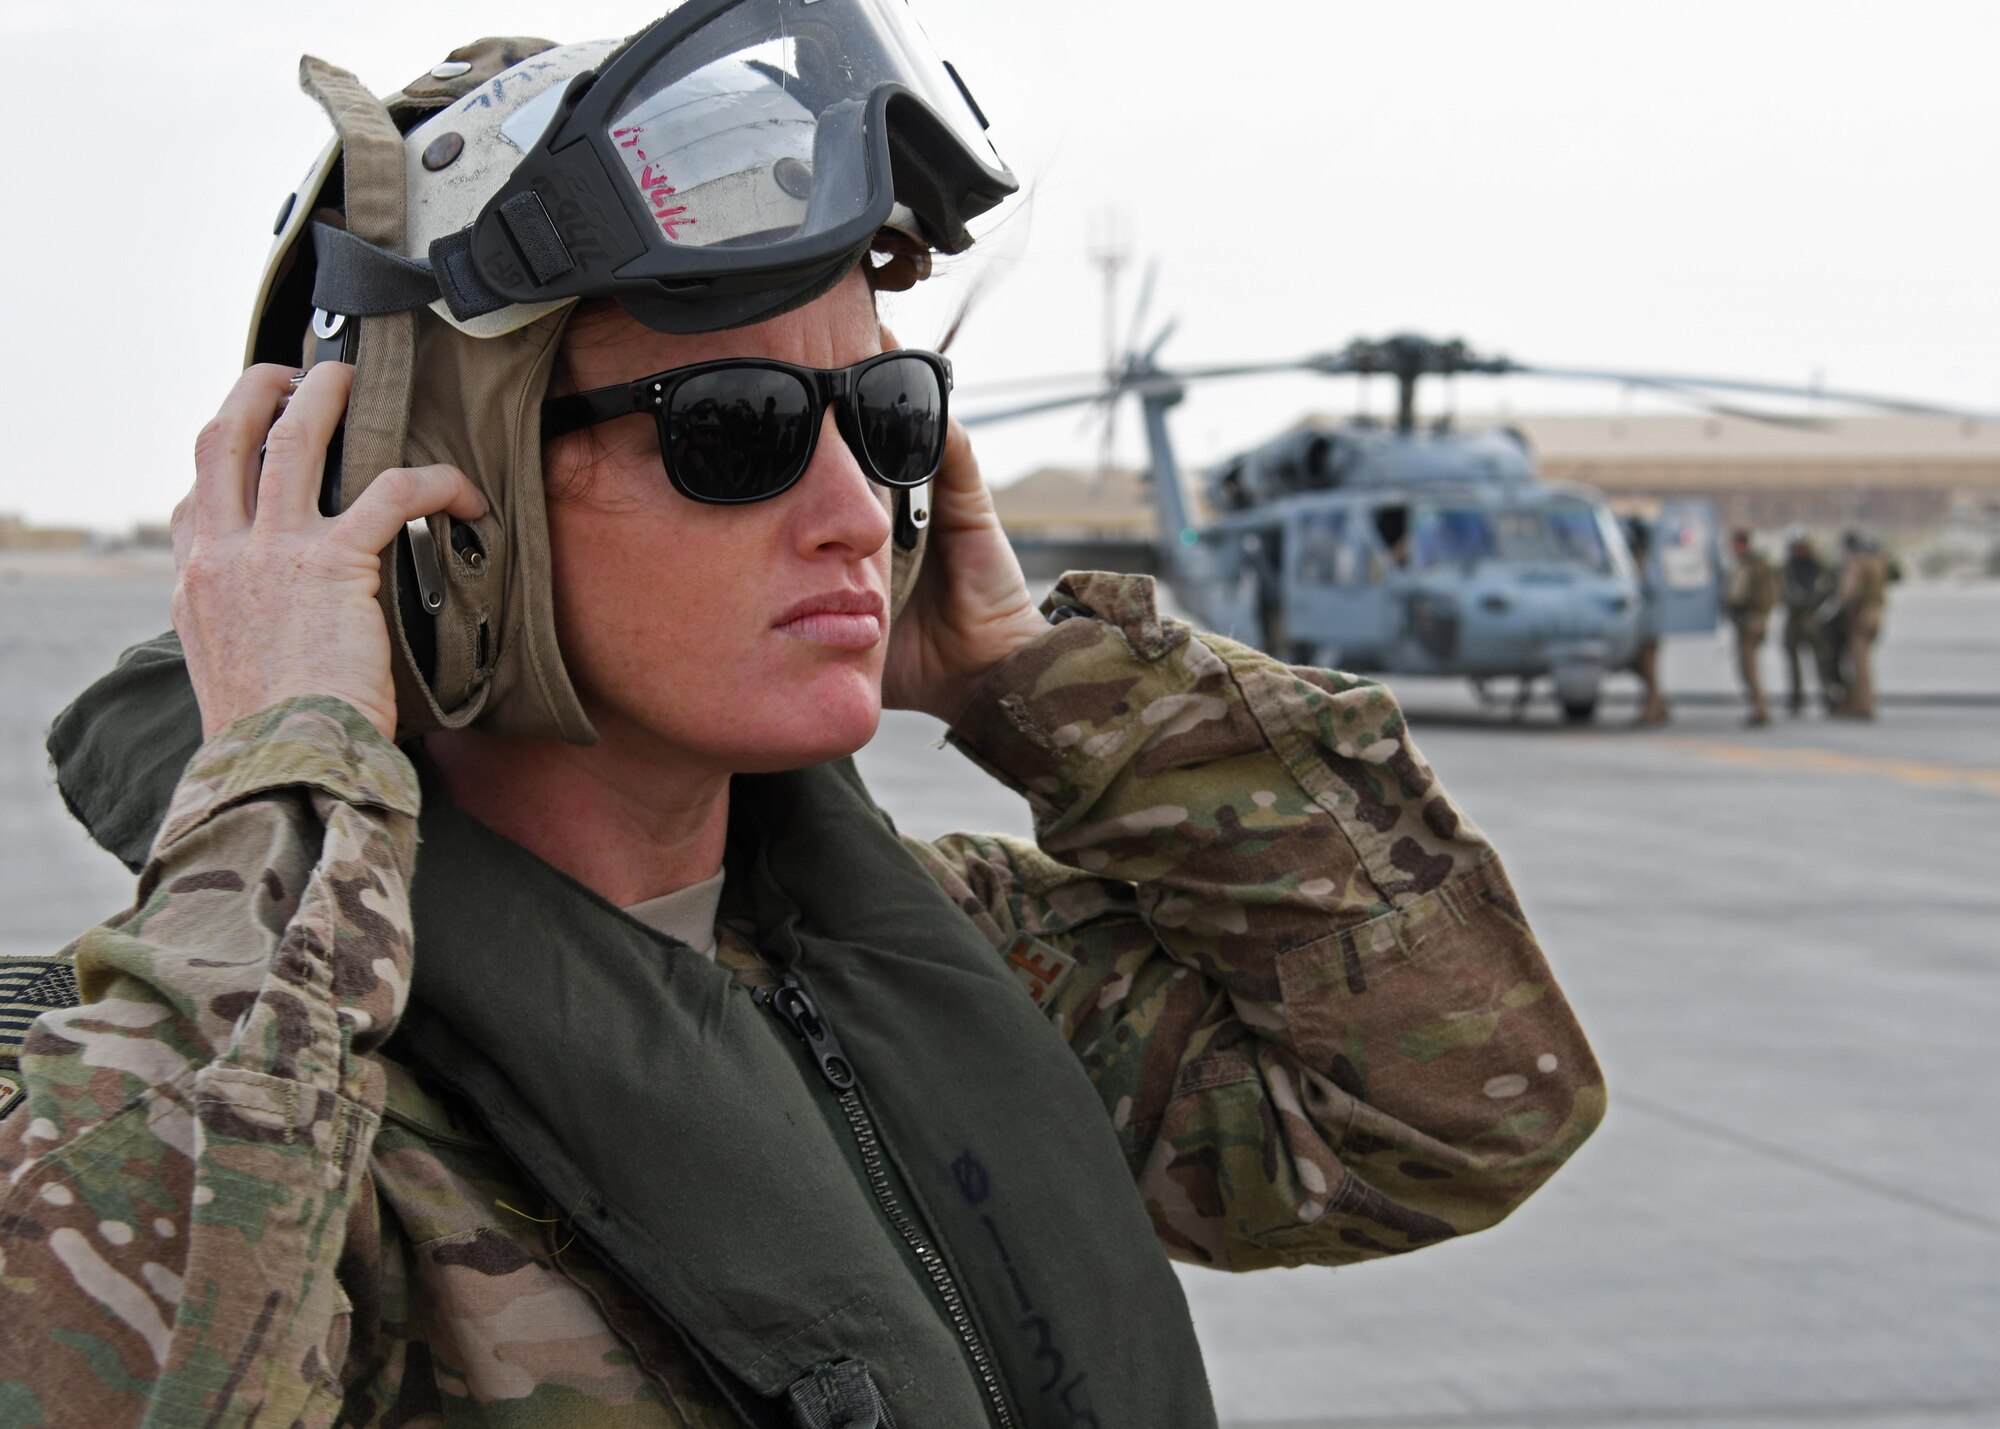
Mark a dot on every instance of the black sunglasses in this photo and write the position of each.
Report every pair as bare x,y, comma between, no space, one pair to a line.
743,429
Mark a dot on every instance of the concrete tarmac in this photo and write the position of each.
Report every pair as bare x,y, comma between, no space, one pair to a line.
1783,943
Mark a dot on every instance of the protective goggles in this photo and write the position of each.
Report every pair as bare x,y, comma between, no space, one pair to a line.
736,152
744,429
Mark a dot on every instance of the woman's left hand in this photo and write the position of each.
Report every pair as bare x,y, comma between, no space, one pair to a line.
970,609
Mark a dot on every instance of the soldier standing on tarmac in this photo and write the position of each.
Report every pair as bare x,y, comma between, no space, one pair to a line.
1806,585
1753,591
1860,595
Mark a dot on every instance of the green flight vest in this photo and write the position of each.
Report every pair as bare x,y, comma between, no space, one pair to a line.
895,1163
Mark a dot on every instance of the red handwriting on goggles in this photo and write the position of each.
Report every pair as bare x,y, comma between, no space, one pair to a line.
654,185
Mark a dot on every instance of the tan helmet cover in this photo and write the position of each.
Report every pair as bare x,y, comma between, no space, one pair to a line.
429,389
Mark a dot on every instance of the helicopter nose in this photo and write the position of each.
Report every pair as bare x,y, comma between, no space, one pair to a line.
1539,624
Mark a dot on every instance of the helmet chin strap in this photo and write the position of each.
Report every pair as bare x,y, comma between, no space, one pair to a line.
383,349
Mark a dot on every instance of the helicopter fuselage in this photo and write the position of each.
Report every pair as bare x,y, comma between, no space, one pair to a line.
1475,581
1419,553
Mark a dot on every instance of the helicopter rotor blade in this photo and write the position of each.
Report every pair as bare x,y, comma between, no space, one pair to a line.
1324,365
1123,365
1139,311
1328,364
1668,381
1141,378
1034,384
1167,330
1688,397
1035,409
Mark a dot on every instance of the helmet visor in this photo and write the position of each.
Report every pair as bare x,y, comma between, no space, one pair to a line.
753,130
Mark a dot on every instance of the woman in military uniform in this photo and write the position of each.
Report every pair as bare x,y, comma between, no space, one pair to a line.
525,1015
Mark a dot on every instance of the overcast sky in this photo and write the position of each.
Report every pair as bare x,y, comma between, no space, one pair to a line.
1764,188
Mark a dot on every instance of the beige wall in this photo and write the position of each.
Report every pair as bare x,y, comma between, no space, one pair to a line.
16,535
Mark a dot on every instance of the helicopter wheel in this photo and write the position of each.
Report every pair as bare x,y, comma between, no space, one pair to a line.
1581,711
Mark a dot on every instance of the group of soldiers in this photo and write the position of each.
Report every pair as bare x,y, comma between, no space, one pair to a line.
1833,615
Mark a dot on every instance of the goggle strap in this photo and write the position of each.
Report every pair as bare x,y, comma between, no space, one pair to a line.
363,279
458,280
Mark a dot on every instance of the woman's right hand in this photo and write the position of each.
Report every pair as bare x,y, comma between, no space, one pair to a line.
272,599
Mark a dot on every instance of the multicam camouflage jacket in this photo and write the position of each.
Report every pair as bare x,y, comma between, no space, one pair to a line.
1807,584
1753,590
1293,970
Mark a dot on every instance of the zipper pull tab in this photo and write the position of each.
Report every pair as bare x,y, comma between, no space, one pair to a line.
800,1013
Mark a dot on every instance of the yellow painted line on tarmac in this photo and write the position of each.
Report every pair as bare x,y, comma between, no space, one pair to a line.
1827,761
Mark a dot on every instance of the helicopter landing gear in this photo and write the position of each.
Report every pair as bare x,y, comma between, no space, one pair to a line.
1578,706
1516,704
1577,686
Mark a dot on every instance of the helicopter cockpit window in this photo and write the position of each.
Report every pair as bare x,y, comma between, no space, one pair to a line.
1558,535
1392,524
1454,537
1577,537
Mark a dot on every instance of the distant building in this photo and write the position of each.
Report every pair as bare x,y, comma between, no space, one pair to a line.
1074,501
1890,473
18,535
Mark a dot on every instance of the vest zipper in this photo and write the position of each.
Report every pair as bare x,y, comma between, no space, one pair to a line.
799,1012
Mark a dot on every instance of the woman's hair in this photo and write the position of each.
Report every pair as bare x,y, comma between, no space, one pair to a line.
586,443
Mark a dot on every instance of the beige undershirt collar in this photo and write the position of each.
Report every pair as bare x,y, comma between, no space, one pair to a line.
687,914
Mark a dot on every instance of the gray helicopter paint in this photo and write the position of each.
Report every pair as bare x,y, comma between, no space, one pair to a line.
1311,574
1354,456
1314,576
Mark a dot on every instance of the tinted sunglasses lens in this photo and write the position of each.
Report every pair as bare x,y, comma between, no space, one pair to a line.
900,408
741,434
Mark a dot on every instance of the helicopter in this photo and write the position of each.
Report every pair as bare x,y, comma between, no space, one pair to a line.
1418,549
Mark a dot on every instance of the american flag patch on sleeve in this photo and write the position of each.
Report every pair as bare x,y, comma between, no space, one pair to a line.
28,988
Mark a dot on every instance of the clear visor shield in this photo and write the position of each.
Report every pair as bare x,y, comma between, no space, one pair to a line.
751,131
